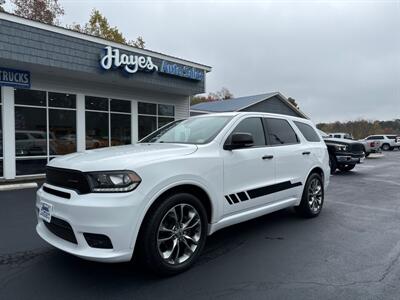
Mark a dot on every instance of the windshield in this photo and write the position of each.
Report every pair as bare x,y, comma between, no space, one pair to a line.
191,131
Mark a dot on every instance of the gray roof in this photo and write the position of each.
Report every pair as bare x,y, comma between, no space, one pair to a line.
234,104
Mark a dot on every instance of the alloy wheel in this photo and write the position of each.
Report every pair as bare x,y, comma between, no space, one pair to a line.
315,195
179,234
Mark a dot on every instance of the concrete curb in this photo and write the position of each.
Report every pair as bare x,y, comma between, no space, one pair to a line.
18,186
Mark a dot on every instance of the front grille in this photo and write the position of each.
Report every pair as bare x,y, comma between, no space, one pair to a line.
356,147
69,179
61,229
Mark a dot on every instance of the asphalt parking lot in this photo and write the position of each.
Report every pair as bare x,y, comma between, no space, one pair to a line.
351,251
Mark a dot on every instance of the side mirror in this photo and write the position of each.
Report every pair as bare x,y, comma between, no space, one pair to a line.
239,140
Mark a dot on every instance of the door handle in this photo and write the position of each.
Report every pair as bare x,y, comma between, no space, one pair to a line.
268,157
307,153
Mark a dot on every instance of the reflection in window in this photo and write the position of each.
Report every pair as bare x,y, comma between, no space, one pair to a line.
146,126
96,103
120,129
62,100
118,119
33,142
62,131
26,166
153,116
96,130
120,106
30,97
30,131
164,121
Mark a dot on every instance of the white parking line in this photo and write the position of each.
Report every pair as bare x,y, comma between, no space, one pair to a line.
383,180
374,208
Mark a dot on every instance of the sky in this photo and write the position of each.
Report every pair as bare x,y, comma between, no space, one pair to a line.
340,60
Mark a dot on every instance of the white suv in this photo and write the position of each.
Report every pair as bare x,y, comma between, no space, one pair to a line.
387,141
164,195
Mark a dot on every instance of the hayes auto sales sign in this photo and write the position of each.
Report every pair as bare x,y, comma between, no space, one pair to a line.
114,59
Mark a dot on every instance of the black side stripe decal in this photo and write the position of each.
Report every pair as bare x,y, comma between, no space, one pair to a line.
229,200
262,191
266,190
242,196
234,198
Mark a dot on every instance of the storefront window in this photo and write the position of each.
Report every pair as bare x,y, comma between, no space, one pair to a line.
96,130
108,122
153,116
45,126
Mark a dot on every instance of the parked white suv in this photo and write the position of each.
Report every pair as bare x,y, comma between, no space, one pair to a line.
388,141
164,195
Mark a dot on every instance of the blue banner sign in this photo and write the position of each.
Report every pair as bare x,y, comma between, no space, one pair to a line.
181,71
15,78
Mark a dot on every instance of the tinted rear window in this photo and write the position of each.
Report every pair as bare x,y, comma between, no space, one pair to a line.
280,132
307,131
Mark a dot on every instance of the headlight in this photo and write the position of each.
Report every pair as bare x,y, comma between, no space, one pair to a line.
341,147
113,181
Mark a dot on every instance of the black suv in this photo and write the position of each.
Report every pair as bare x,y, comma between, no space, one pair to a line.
344,154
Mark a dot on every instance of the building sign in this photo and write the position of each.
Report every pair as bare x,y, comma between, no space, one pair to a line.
15,78
181,71
113,59
130,63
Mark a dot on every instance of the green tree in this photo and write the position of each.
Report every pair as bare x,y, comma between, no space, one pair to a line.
46,11
98,26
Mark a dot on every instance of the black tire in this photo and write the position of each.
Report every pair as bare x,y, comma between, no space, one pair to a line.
385,147
346,168
367,154
305,209
148,250
332,163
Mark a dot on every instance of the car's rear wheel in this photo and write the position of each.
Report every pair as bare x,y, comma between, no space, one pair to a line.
313,197
174,235
346,168
385,147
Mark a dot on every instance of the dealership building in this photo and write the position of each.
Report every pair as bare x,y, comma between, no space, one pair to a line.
63,91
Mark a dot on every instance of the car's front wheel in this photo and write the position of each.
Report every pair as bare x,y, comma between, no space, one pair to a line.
174,235
312,198
385,147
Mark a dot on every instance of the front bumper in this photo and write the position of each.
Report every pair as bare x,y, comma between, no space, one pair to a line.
349,158
112,215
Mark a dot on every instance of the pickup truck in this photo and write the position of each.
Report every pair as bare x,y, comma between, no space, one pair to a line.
344,154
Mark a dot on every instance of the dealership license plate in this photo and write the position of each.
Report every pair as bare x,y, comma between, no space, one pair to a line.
45,211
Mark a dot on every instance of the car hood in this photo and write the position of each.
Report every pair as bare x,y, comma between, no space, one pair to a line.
121,157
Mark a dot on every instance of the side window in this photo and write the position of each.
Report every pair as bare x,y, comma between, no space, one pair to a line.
379,137
371,137
280,132
307,131
254,127
337,136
